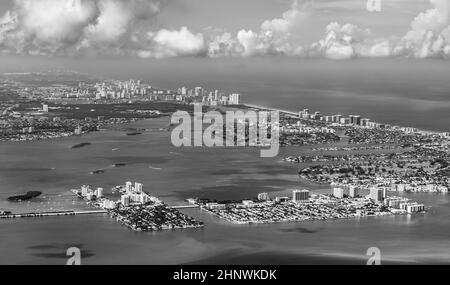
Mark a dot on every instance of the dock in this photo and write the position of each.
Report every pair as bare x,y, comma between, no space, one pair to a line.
53,214
271,109
185,207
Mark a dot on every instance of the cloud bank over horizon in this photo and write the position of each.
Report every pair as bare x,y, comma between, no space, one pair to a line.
127,28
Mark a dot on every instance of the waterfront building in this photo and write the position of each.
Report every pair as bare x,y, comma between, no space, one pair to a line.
129,187
345,121
355,119
365,122
90,196
99,193
125,200
415,208
263,197
45,108
338,193
235,99
377,194
138,187
396,202
353,191
216,206
281,199
84,190
300,195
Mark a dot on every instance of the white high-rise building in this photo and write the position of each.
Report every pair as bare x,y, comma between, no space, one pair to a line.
99,193
263,197
125,200
338,193
377,194
234,99
353,191
129,186
138,187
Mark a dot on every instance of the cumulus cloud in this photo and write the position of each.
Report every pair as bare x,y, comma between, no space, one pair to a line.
341,41
429,35
125,27
224,45
273,37
75,26
169,43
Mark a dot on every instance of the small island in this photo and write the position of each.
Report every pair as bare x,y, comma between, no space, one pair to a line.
24,197
134,133
80,145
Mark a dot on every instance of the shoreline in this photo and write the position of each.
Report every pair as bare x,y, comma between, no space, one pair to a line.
297,115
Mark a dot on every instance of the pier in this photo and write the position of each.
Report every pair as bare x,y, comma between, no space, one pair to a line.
53,214
271,109
185,207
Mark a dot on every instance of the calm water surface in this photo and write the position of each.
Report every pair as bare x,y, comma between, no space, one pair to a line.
175,174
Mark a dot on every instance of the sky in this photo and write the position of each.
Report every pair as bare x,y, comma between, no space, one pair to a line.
161,29
391,65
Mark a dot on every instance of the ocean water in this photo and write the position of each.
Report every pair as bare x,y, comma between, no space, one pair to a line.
406,92
175,174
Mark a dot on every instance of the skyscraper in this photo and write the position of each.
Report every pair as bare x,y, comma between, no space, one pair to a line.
263,196
300,195
338,193
128,186
377,194
235,99
353,191
138,187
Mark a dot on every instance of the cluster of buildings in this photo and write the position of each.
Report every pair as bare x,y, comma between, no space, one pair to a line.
300,128
132,195
138,210
116,91
355,120
211,98
344,202
358,120
134,89
339,119
417,169
301,132
135,195
94,197
379,195
38,124
427,188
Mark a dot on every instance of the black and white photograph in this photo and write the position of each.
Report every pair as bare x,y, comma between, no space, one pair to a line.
223,134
